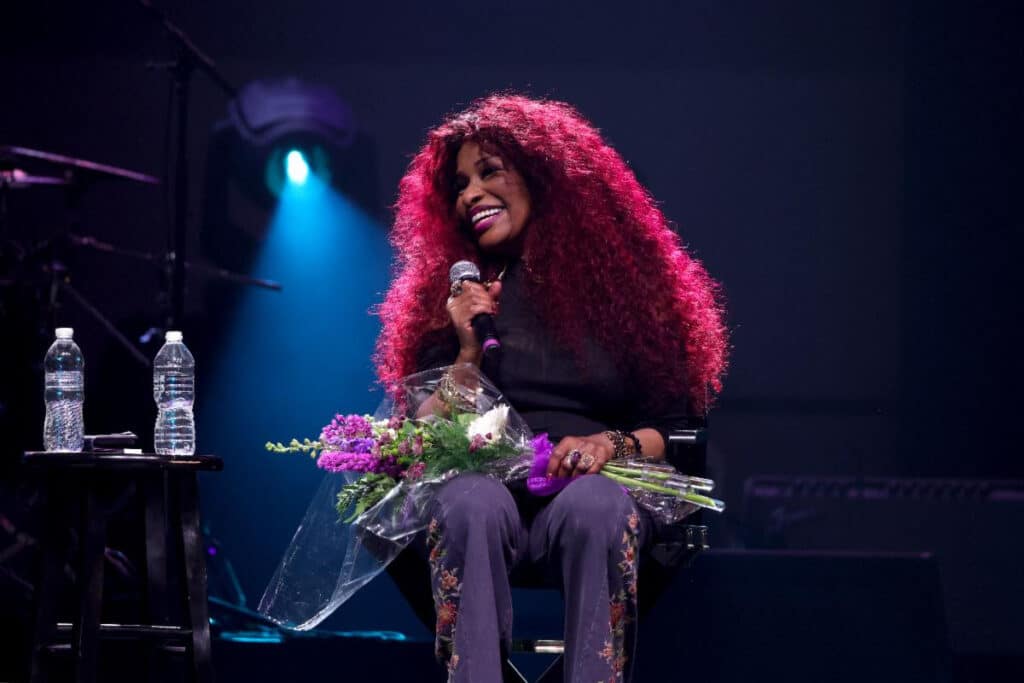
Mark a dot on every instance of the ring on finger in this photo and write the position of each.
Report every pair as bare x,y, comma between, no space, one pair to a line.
586,462
573,458
456,288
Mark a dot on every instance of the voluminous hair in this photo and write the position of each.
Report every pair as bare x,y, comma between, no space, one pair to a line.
602,262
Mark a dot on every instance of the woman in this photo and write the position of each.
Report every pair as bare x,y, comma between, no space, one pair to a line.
611,334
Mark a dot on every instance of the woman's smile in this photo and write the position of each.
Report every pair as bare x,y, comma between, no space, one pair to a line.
483,217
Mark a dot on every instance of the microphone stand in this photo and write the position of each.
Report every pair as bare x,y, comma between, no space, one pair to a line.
189,58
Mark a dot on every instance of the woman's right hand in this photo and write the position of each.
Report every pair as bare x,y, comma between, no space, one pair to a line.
474,300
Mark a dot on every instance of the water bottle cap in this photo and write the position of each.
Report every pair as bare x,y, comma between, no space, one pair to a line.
173,336
65,332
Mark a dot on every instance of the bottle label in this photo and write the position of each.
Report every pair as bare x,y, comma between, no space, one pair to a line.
64,379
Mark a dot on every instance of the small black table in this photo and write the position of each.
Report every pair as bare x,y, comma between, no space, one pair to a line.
169,489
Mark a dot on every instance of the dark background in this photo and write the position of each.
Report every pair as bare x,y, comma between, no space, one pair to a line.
849,171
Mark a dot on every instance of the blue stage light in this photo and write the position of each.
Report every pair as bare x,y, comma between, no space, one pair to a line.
288,132
296,167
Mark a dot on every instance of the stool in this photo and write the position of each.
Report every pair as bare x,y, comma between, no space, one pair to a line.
167,485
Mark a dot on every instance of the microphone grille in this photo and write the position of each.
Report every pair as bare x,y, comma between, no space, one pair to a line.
463,270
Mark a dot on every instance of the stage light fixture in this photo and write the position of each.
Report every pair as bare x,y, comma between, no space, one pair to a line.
288,130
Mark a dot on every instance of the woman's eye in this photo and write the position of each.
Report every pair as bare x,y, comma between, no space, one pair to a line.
488,171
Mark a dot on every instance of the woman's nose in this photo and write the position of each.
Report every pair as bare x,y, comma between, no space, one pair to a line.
472,194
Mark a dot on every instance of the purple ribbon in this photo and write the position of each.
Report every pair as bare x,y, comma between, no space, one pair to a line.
537,481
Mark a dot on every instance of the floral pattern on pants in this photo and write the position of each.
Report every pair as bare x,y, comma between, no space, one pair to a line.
586,540
447,590
623,603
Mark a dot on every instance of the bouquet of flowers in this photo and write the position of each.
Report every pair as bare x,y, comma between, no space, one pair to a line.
383,471
401,449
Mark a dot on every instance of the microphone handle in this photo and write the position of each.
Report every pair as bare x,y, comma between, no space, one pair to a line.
483,326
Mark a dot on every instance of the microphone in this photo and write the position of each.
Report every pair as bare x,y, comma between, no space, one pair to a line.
483,323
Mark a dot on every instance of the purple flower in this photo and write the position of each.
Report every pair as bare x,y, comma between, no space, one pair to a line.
346,427
360,445
390,467
340,461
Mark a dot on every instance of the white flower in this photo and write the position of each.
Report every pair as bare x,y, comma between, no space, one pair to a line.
490,426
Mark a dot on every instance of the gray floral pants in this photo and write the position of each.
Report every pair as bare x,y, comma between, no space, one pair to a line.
588,536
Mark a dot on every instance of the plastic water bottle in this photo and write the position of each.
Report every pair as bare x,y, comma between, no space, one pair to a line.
174,383
64,393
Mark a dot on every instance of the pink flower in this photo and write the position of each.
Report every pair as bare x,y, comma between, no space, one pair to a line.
415,471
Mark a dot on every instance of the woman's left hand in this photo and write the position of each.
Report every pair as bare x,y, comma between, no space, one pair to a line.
576,455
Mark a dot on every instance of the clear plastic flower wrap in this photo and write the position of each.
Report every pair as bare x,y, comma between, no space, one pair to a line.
383,472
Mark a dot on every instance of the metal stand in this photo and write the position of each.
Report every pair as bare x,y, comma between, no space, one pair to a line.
188,59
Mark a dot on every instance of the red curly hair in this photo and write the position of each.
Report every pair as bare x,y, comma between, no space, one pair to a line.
602,260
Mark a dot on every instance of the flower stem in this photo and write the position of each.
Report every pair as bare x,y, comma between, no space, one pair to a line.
688,496
640,483
637,473
672,478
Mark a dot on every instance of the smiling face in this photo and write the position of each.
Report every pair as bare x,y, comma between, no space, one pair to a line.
492,199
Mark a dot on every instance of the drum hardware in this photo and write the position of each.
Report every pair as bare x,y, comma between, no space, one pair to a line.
44,262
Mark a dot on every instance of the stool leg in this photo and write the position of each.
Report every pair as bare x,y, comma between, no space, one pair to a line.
510,674
154,496
195,574
555,671
54,552
85,634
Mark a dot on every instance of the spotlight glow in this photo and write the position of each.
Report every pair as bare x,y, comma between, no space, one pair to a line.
296,167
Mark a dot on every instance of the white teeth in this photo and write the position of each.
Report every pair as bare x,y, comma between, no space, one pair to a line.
486,213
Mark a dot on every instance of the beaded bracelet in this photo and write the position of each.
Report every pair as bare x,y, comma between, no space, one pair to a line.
618,439
637,448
